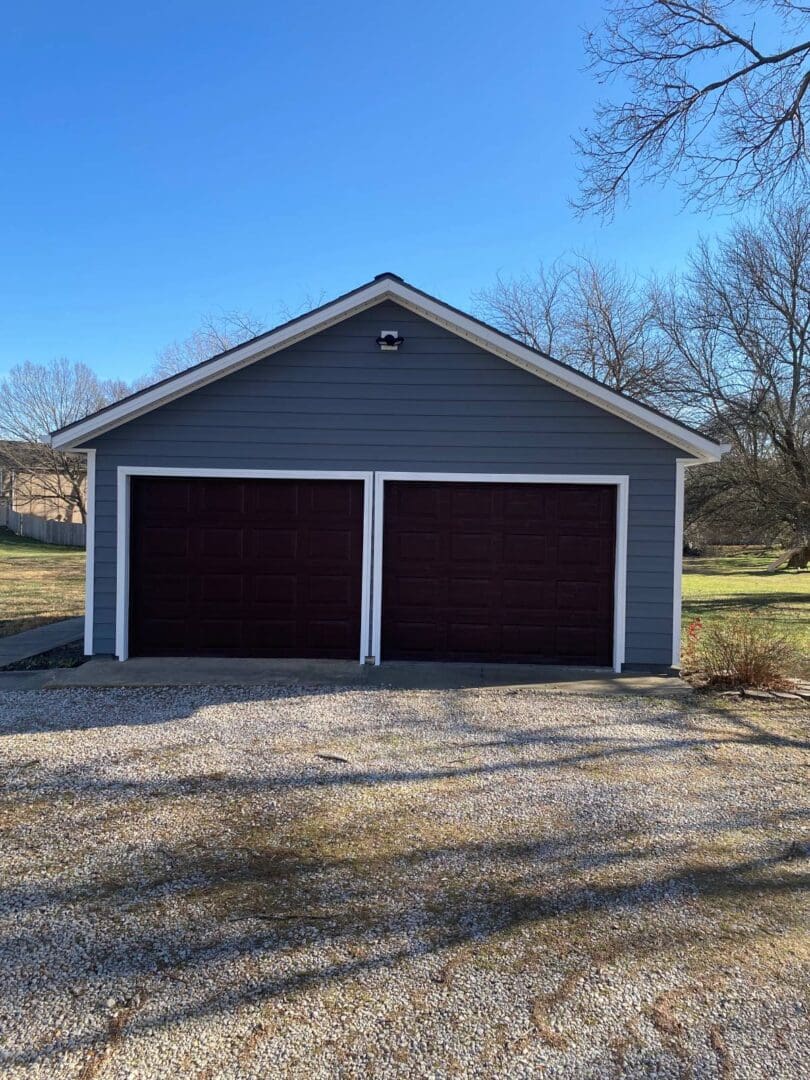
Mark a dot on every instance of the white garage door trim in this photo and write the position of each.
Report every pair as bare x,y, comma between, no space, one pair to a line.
125,472
622,484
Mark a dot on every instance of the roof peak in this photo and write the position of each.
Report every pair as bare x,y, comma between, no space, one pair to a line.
388,274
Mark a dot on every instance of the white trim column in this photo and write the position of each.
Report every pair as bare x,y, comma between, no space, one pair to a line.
677,562
89,552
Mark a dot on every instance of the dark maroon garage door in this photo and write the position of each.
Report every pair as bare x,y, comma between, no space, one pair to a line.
488,572
245,567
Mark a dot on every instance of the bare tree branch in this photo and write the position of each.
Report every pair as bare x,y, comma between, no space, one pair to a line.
216,334
739,327
591,316
36,399
706,104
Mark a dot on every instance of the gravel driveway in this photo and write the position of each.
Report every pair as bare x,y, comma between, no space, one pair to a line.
369,883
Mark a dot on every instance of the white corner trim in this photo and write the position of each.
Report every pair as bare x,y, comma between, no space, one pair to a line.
89,552
122,565
124,474
622,484
435,311
681,465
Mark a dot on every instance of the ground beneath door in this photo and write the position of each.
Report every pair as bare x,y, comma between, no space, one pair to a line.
373,883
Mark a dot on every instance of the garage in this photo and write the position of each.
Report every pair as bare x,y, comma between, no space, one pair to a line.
245,567
498,572
385,477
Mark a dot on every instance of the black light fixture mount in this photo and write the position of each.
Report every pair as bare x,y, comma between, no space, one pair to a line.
389,340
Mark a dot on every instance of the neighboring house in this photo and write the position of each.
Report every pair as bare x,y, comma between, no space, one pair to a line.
29,487
448,494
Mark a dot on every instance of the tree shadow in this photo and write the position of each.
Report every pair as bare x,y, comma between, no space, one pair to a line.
306,866
748,602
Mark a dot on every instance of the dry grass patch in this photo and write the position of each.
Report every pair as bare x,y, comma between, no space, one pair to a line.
39,583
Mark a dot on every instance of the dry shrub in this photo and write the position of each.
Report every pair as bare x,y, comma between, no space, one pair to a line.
739,651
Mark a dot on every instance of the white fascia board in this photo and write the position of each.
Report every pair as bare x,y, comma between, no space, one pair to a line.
435,311
492,341
249,353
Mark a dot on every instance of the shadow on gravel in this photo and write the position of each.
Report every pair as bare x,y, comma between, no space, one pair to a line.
366,920
46,711
288,884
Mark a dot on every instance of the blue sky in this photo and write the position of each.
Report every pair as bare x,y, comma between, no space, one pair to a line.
172,159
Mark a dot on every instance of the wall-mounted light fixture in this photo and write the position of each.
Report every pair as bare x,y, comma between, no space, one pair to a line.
389,340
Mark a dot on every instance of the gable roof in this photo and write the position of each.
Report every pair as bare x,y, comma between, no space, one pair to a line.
389,286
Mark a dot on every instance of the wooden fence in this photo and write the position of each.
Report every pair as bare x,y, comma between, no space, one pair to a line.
52,532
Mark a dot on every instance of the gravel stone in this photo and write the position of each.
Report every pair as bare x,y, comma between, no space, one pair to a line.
332,882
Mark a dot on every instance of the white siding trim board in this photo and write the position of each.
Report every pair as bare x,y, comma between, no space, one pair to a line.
90,553
681,465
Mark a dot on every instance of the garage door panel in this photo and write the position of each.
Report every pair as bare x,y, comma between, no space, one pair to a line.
221,543
330,545
222,588
329,499
326,634
421,639
416,591
521,502
576,642
167,541
534,595
416,500
272,544
472,547
329,589
418,546
525,549
274,589
219,499
585,506
166,589
275,501
245,567
519,572
166,633
472,501
475,638
220,633
174,500
273,636
520,639
469,593
577,597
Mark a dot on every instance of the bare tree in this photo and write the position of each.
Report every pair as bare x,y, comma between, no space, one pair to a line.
739,327
708,102
529,309
589,315
216,334
36,399
612,334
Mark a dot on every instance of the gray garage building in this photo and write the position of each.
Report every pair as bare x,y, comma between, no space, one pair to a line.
386,478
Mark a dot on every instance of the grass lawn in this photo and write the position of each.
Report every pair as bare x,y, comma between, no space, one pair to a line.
39,583
731,580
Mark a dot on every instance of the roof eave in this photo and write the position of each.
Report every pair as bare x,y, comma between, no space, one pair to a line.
388,287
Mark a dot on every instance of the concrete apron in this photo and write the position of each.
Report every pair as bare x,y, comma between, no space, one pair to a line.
200,671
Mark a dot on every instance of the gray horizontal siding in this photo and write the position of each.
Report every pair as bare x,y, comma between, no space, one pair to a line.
439,404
